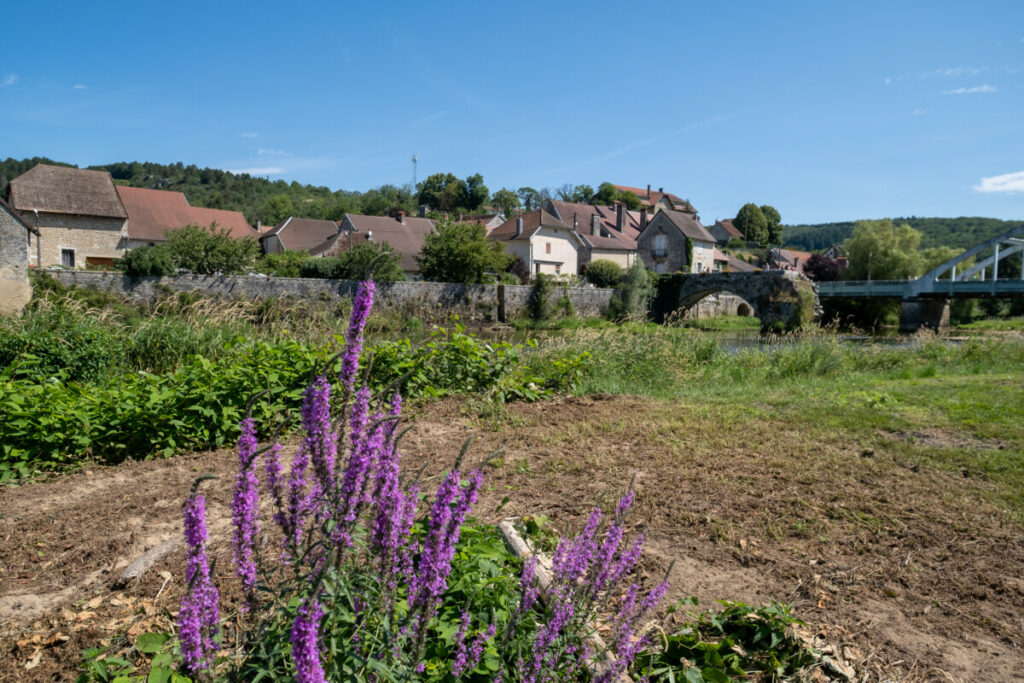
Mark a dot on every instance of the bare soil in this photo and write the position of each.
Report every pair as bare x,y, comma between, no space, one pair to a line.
905,569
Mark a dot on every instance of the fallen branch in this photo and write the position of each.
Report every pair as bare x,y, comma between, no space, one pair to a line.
144,562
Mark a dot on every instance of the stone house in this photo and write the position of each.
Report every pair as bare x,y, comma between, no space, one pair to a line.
152,213
787,259
405,234
724,230
663,244
15,289
489,220
655,201
545,244
77,213
297,234
606,232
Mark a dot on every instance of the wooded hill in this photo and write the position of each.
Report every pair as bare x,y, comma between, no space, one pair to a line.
960,233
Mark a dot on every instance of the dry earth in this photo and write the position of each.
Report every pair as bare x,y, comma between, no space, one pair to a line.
905,569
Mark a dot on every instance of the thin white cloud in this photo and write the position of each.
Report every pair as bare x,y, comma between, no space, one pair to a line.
9,79
273,152
248,135
918,112
888,80
258,170
428,119
79,86
1008,183
971,91
954,72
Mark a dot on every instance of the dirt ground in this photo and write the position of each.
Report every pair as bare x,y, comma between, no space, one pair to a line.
904,569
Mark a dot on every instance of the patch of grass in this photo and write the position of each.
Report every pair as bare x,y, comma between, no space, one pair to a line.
995,325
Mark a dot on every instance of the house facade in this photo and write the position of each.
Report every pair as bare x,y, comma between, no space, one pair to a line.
545,244
15,289
77,213
606,232
664,244
787,259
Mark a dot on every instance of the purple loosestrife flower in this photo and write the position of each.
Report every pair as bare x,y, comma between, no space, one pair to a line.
544,655
467,659
354,339
528,592
356,469
320,442
305,642
297,501
245,506
572,557
199,614
626,562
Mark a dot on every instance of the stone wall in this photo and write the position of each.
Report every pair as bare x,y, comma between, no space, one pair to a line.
88,236
428,299
15,289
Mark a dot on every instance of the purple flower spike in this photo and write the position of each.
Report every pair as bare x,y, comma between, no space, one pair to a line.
199,614
305,642
245,512
320,442
354,339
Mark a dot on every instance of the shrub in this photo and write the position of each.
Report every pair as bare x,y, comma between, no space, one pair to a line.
604,273
539,305
633,298
283,264
362,262
209,251
146,261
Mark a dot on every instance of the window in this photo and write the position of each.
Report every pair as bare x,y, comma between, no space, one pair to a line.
547,247
659,268
558,269
660,245
537,267
67,258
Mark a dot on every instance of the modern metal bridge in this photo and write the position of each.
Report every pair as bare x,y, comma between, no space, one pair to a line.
958,277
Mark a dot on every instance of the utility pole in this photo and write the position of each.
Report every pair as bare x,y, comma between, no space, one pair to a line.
415,161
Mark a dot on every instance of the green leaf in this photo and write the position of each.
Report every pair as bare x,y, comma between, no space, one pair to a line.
151,643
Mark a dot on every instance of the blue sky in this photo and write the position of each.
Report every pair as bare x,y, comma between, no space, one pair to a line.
827,110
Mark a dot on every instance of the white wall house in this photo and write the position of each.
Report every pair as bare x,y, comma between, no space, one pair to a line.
544,243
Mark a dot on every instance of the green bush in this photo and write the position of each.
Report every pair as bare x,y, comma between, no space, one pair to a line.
635,295
379,263
284,264
604,273
146,261
210,251
539,305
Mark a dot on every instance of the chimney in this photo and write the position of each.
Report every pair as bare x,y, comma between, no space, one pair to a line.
423,210
620,216
369,235
661,190
643,213
519,225
401,217
648,192
595,225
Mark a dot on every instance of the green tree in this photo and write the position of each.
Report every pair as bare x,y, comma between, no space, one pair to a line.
276,209
460,252
364,261
209,251
607,194
477,193
283,264
774,219
751,221
441,191
881,250
530,198
507,201
634,297
604,273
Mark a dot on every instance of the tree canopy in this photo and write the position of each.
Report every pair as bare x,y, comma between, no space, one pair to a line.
882,250
751,221
460,252
774,220
608,194
506,201
445,192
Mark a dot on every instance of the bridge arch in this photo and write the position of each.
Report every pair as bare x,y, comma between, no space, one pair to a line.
1003,246
782,300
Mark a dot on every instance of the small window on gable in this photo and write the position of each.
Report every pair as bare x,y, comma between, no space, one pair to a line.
547,247
67,258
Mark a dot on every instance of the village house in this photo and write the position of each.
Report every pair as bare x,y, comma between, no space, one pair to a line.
153,213
489,220
545,244
724,230
77,214
297,234
606,232
405,234
787,259
665,242
15,289
727,263
655,201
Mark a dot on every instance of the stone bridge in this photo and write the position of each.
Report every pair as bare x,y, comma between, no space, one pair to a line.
783,300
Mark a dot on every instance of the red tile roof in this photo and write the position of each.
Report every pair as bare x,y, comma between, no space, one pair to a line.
151,213
58,189
302,234
687,224
406,238
532,222
580,217
654,196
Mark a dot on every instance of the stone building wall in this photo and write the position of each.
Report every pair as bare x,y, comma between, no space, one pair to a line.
88,236
15,289
429,299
